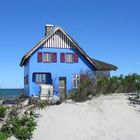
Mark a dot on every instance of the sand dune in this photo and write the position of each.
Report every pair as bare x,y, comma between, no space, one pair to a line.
103,118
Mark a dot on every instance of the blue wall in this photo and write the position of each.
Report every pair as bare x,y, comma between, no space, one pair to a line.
26,72
57,69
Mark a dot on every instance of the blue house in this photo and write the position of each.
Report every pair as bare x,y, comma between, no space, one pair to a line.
58,60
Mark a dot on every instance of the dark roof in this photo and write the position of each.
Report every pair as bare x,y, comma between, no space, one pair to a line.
98,65
104,66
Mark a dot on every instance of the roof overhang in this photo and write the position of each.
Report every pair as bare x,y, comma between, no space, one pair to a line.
95,63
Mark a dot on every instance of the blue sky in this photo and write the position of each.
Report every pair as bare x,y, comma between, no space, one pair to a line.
108,30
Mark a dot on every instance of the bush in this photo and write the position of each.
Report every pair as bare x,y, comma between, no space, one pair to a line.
3,136
22,128
2,111
83,92
124,84
43,104
106,85
102,85
5,131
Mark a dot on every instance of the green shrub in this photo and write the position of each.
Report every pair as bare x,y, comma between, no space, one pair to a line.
5,131
22,128
132,83
102,85
2,111
124,84
83,92
106,85
3,136
43,104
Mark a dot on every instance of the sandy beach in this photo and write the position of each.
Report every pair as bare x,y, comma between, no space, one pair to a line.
102,118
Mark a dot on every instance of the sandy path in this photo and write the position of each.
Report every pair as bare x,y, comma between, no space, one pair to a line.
103,118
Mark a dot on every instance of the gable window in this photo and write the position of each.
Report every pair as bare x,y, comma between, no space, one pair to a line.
69,58
42,78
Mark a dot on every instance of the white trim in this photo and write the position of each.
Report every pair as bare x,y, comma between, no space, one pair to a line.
57,40
49,25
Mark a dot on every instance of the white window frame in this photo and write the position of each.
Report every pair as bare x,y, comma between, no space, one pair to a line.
69,57
76,81
40,78
47,57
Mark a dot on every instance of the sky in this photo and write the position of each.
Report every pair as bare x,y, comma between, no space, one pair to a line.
108,30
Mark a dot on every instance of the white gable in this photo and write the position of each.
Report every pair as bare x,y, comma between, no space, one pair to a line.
58,40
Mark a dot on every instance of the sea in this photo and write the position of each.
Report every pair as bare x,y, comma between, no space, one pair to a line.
7,93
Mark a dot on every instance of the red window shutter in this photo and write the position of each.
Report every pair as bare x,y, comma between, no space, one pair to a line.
62,57
54,57
75,58
39,57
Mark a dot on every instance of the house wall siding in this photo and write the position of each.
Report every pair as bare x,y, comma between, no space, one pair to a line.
57,69
58,40
104,73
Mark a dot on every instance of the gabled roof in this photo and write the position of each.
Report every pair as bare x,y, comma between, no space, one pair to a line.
98,65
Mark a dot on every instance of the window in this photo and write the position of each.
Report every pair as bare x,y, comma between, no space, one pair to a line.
47,57
69,58
42,78
76,81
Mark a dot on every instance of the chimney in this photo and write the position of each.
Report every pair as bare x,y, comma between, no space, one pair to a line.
48,29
